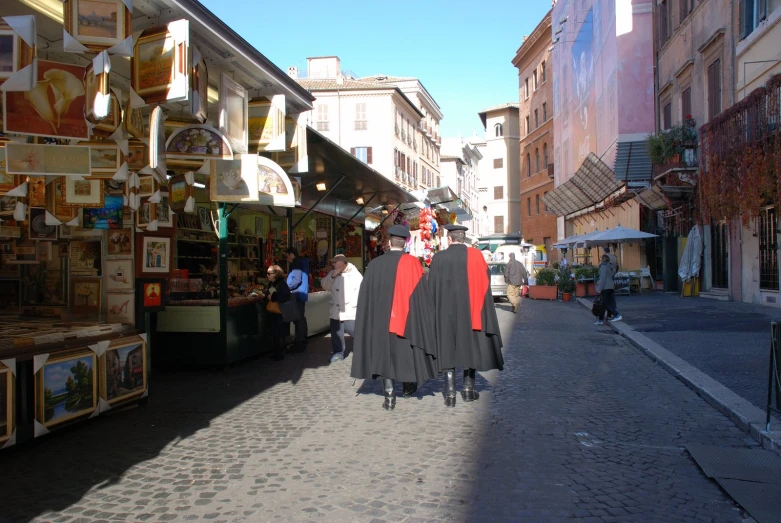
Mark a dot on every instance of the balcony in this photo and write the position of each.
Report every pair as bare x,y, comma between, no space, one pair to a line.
685,162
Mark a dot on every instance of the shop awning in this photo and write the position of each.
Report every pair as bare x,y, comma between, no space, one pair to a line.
344,181
653,198
589,186
633,164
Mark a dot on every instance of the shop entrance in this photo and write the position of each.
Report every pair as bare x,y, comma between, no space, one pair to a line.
719,255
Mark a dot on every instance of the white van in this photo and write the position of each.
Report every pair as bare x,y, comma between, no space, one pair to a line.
532,257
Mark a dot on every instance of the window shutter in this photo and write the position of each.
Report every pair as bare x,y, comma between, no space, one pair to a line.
368,155
762,9
352,151
742,18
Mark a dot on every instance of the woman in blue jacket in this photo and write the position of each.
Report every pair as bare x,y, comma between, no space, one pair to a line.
298,283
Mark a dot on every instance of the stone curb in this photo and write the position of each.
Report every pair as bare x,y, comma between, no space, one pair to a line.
745,415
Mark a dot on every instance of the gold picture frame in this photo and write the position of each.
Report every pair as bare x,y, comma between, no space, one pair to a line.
86,297
105,158
54,408
97,24
199,85
94,85
83,193
160,65
55,201
137,155
134,121
108,125
21,54
8,398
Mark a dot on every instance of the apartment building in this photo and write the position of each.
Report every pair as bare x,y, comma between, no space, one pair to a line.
534,63
460,172
391,123
500,172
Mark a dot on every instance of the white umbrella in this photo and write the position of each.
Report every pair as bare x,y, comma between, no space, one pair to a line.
566,243
616,235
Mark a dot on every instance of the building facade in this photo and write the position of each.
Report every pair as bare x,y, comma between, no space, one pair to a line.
460,172
534,63
395,132
500,170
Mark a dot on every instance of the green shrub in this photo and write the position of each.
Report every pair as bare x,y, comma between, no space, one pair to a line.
586,272
546,277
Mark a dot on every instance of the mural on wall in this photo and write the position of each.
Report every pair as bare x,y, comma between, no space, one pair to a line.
584,121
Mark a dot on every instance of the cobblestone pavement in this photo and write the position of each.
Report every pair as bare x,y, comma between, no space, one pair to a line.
728,341
578,425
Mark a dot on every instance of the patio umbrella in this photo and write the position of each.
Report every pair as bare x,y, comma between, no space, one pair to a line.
566,243
616,235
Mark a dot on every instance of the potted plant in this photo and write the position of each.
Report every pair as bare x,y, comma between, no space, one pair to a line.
585,277
567,287
668,145
545,285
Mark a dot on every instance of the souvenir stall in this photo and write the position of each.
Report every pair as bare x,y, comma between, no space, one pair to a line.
113,122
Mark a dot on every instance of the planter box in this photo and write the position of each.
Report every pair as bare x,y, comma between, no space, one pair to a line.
584,289
543,292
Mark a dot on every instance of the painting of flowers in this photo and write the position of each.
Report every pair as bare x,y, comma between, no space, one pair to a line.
197,142
107,217
55,107
67,388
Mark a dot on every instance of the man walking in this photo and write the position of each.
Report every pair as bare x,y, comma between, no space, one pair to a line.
298,282
344,283
613,259
394,322
606,288
515,276
466,327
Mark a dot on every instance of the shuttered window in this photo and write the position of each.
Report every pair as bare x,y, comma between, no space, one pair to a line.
498,192
664,22
498,224
686,103
498,163
714,89
667,115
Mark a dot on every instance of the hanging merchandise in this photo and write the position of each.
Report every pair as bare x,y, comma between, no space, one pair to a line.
428,228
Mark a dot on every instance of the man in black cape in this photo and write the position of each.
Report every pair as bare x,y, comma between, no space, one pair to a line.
467,330
394,323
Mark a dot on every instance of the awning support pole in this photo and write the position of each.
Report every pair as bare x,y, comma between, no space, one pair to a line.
227,214
354,215
223,265
389,215
309,211
271,210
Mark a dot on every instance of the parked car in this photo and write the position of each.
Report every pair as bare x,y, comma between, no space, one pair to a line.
498,286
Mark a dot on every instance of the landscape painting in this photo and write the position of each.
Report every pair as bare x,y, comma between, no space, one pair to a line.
125,372
67,388
98,18
154,63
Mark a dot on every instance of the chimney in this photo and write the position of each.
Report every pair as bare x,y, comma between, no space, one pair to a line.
339,79
292,72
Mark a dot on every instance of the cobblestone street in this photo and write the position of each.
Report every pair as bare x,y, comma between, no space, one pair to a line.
579,425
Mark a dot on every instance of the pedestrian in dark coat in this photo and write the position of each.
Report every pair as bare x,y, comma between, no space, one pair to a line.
394,323
278,292
467,330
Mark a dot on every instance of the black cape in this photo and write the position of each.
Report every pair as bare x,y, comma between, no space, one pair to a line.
458,345
376,351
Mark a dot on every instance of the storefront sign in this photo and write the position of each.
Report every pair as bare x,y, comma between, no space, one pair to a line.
64,160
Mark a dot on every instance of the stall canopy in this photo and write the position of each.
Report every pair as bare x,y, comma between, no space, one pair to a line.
340,185
591,184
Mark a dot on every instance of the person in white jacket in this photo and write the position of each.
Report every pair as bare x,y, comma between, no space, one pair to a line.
343,282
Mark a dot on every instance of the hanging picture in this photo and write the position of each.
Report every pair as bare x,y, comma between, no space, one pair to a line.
123,370
55,107
134,121
137,155
43,251
15,54
263,124
160,68
274,184
10,301
105,158
60,160
107,217
234,180
153,255
66,388
7,400
146,213
178,192
45,284
36,191
108,125
189,146
38,228
96,90
85,257
86,296
147,186
120,308
7,181
199,84
83,193
119,276
54,201
233,114
119,243
97,24
165,217
157,143
152,292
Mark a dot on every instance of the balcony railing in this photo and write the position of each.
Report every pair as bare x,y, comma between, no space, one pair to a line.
688,160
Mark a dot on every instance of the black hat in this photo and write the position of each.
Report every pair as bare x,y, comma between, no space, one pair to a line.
455,227
399,230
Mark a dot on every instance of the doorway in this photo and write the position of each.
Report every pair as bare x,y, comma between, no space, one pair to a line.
719,236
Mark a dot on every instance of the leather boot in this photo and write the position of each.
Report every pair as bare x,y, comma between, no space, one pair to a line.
450,387
409,388
390,394
468,393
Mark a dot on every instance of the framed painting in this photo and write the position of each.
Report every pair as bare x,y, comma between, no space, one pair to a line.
108,125
179,191
45,284
38,228
54,201
147,186
121,308
262,124
7,206
120,243
25,252
86,294
85,258
52,108
96,89
15,54
165,217
97,24
66,387
7,181
59,160
7,400
234,180
146,213
190,146
119,276
123,374
10,300
157,143
137,155
153,293
199,85
134,121
107,217
233,114
36,191
160,68
153,254
43,251
83,193
105,158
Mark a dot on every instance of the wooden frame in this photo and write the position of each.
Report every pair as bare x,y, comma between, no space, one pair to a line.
153,254
146,213
234,113
264,123
54,201
86,297
37,222
7,409
83,193
108,125
199,85
90,22
157,143
234,180
137,155
160,68
123,371
36,190
22,54
133,120
147,185
38,159
73,363
108,217
120,276
164,213
105,158
94,85
179,192
119,244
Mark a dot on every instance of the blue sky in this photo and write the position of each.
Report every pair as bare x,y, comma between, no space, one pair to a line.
461,51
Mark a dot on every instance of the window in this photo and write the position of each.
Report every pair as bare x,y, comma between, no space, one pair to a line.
536,118
364,154
534,80
544,112
498,224
667,114
498,163
543,72
498,130
360,117
529,206
665,22
526,87
537,203
322,118
686,103
750,14
714,89
537,160
685,7
498,192
527,124
768,258
528,165
545,156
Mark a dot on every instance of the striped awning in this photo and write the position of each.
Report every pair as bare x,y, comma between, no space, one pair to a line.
589,186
